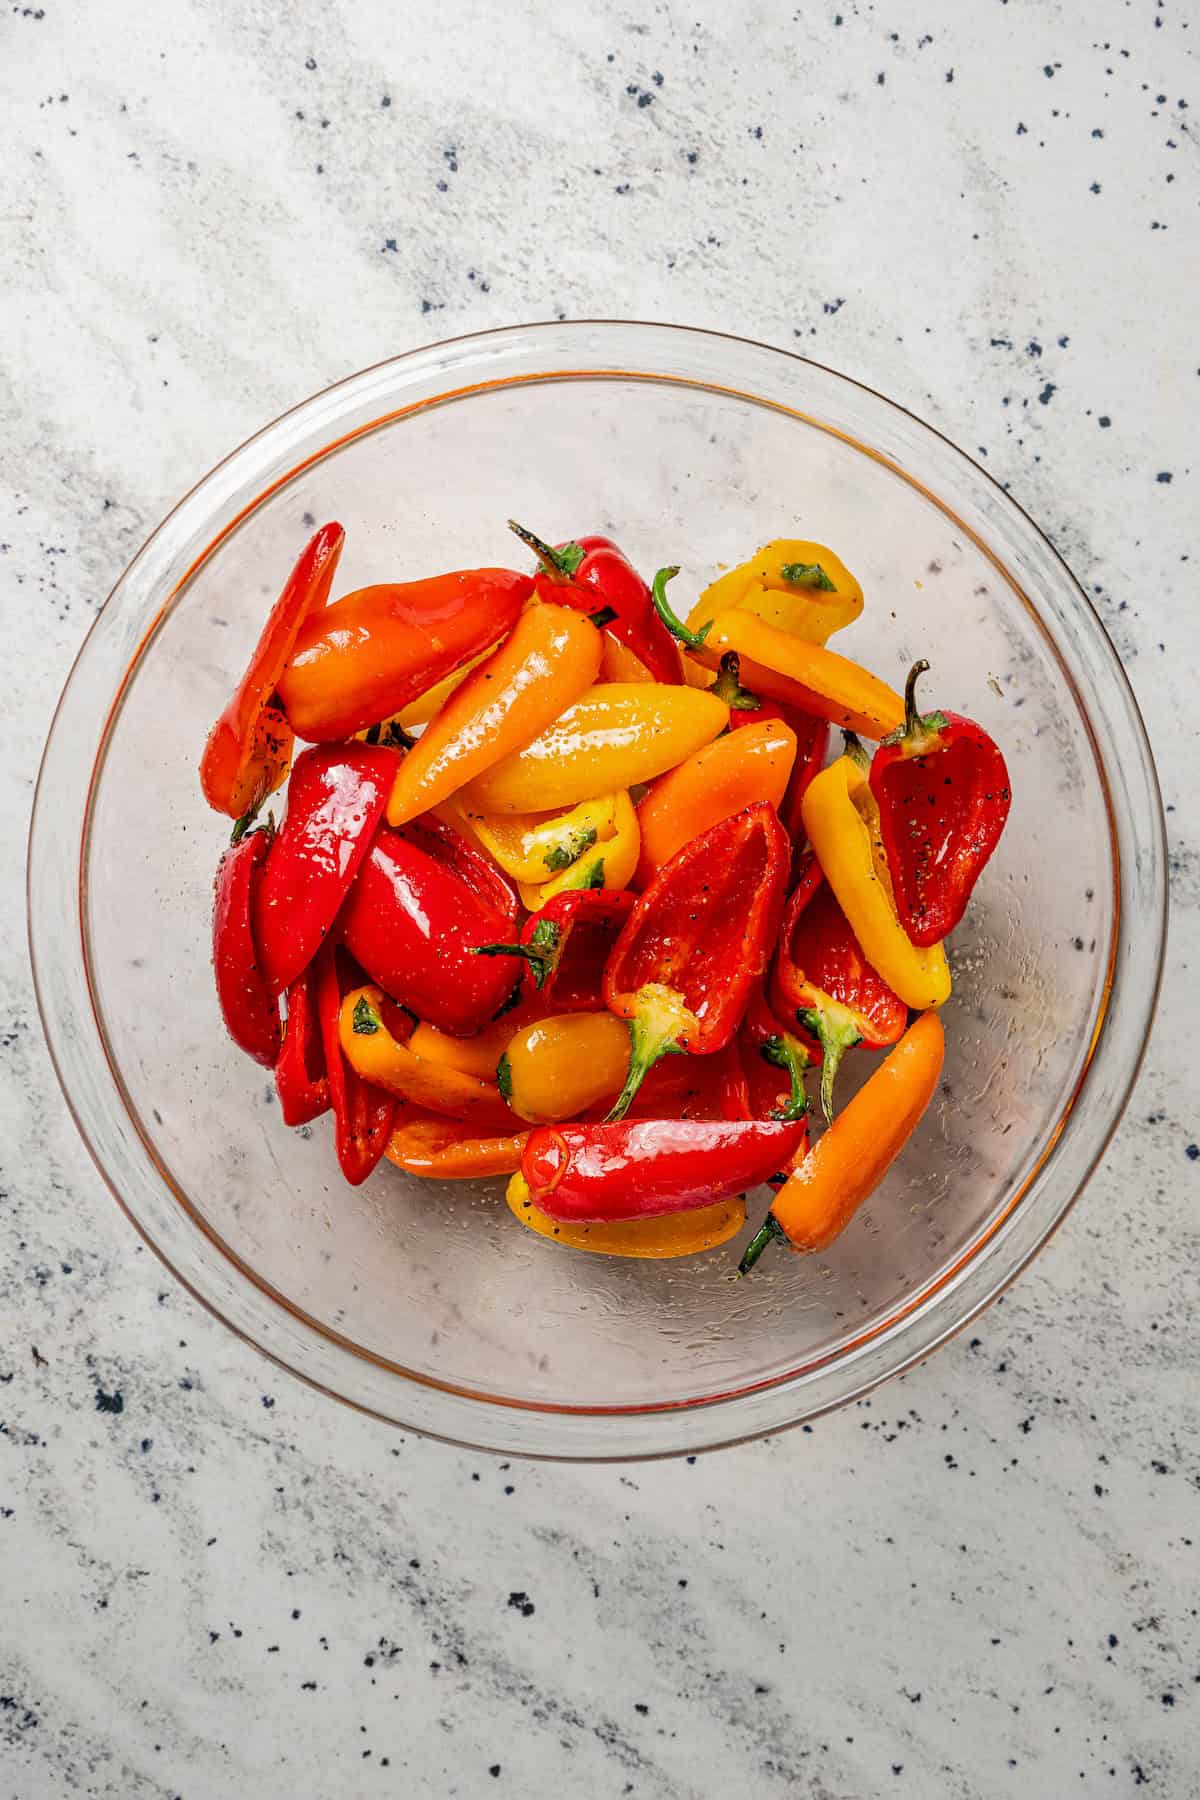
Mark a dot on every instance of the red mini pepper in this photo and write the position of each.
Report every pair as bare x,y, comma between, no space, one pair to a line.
566,945
697,940
362,1113
248,1006
249,748
822,979
941,785
336,798
373,651
592,575
423,902
812,737
642,1169
300,1078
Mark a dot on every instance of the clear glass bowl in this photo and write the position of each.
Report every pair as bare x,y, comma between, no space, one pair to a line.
426,1303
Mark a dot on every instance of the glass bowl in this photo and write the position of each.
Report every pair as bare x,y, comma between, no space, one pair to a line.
426,1303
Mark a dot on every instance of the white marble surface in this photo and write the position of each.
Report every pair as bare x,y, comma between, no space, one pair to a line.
982,1582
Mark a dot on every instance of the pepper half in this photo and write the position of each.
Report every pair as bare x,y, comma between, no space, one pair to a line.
565,946
250,746
336,799
801,587
248,1005
842,821
724,777
696,942
822,980
942,789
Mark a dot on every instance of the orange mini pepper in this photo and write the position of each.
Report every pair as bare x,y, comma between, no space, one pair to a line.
724,777
551,657
373,651
383,1058
441,1150
823,1193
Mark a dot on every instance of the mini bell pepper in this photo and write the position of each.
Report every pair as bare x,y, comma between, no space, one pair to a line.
670,1234
942,789
593,575
418,909
560,1066
617,663
373,651
551,657
822,979
823,1193
801,587
250,746
362,1110
336,799
723,778
608,864
697,940
248,1005
638,1170
616,735
440,1150
811,734
375,1040
565,946
300,1078
786,667
534,847
842,821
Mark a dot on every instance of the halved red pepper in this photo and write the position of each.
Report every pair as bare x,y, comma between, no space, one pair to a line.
423,902
812,737
592,575
362,1113
248,1006
822,979
336,798
300,1078
250,746
566,944
697,940
373,651
942,788
644,1168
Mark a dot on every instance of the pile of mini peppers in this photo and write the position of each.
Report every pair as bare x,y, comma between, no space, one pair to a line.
566,888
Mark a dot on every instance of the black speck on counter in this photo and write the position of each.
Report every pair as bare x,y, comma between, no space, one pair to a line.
110,1403
1164,475
1047,394
1193,1153
494,1771
520,1602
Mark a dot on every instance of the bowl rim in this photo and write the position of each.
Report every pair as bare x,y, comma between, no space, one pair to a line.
935,1290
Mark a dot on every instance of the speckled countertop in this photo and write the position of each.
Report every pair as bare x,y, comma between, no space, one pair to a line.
984,1580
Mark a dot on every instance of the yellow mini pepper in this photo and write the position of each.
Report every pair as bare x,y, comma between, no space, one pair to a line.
674,1234
556,1068
535,846
608,861
801,587
842,822
619,733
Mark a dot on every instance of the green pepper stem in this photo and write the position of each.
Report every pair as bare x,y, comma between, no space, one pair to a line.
646,1045
836,1030
539,964
691,640
785,1053
728,685
557,563
913,724
768,1230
